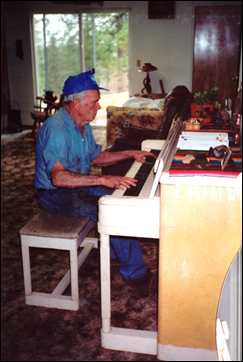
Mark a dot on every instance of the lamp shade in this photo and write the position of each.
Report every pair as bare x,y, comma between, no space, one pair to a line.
148,67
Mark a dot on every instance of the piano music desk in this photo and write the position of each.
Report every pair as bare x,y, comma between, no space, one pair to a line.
200,235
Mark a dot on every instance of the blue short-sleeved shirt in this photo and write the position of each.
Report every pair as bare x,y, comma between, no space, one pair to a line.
60,140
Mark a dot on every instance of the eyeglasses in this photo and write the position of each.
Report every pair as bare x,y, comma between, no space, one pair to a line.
223,152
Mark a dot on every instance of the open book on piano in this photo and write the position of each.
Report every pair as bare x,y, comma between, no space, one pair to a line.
135,211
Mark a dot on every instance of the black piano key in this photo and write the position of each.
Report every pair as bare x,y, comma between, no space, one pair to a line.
141,176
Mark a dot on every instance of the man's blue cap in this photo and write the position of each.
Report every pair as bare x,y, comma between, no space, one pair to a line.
80,82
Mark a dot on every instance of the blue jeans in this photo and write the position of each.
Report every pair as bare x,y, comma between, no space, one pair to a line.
83,202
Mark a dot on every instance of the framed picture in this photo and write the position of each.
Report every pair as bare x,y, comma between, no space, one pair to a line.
161,9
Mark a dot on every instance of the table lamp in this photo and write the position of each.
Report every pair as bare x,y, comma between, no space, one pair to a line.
147,68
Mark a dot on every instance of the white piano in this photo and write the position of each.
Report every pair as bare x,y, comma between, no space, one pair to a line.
137,216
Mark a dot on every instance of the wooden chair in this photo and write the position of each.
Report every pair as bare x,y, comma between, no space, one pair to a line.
39,114
44,108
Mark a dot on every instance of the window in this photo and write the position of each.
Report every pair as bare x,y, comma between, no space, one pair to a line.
66,44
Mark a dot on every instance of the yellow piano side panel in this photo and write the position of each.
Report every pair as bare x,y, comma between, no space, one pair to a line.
200,235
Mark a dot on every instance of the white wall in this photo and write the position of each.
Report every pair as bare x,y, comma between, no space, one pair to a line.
168,44
165,43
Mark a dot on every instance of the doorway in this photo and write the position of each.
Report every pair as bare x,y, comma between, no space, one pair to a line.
217,41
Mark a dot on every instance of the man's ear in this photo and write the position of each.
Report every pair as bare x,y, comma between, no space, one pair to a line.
75,103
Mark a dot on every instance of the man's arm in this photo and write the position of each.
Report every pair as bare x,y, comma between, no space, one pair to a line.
107,158
64,178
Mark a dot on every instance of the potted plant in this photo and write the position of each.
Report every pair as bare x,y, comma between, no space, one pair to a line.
203,102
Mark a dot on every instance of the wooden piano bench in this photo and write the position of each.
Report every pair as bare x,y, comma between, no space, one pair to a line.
63,233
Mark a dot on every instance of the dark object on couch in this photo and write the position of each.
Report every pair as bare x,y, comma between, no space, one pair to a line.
176,102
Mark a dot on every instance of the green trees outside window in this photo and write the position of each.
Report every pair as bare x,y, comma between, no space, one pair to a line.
66,44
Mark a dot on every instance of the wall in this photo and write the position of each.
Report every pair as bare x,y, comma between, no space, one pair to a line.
168,44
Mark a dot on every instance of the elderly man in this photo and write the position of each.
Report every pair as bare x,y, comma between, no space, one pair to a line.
65,152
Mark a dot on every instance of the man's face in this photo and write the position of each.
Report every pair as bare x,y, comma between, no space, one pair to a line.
86,108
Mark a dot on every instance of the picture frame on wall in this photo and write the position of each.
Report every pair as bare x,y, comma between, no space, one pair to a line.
161,9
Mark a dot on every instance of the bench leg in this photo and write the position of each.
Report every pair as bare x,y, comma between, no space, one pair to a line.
56,299
74,275
88,244
26,268
105,282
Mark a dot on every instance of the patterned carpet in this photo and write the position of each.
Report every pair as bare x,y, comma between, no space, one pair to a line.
32,333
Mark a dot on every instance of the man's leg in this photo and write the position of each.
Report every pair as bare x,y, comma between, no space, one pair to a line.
129,254
127,251
68,202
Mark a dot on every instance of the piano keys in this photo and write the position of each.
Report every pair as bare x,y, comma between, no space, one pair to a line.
142,174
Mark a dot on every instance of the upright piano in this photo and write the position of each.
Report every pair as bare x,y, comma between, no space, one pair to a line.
197,218
197,222
137,215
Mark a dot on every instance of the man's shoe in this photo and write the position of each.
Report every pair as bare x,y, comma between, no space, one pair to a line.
145,285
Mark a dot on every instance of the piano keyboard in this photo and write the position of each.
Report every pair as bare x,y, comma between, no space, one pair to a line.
141,175
149,172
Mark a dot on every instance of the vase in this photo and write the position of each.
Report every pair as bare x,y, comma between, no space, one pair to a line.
201,110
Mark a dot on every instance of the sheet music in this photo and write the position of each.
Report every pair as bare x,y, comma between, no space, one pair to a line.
202,141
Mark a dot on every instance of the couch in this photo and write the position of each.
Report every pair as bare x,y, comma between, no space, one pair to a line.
121,120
